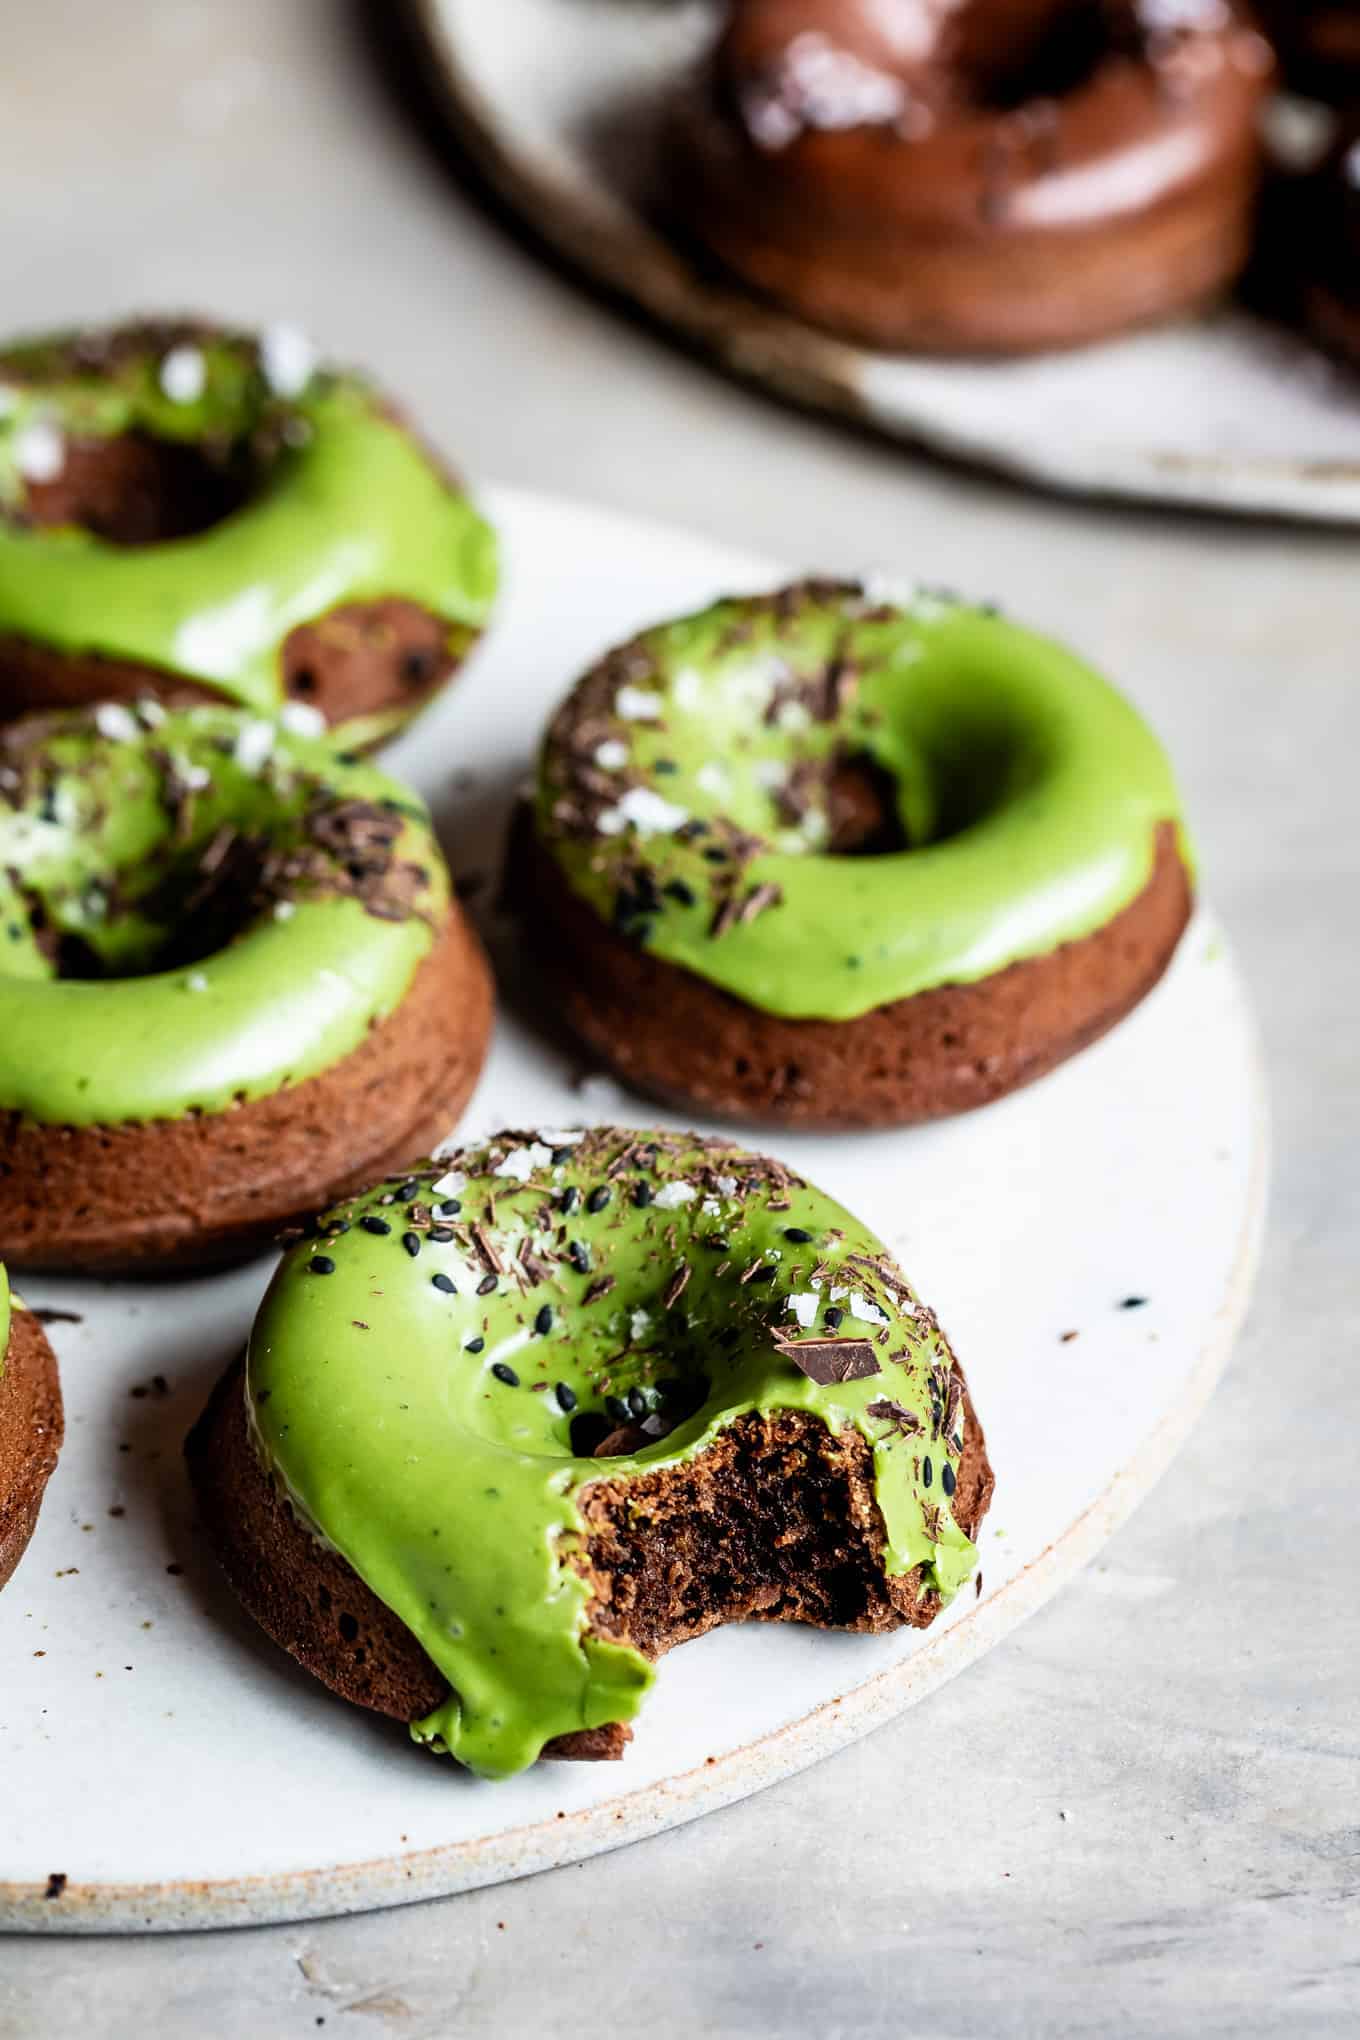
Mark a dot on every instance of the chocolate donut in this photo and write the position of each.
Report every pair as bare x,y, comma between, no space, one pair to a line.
976,176
832,858
510,1430
233,983
30,1424
193,514
1318,42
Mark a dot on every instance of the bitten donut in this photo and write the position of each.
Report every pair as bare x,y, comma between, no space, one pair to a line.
832,858
509,1430
30,1424
976,176
191,514
233,983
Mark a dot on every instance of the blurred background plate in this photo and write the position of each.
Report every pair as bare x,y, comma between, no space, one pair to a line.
557,100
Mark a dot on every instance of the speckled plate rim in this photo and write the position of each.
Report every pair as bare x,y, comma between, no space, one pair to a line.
779,353
968,1633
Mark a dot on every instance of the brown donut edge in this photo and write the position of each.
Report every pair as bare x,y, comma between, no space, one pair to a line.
312,1603
31,1429
206,1188
671,1035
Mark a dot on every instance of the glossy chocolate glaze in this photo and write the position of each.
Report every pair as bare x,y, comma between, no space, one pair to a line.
978,175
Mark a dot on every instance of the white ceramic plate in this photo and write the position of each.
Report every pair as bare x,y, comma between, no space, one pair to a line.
179,1771
556,100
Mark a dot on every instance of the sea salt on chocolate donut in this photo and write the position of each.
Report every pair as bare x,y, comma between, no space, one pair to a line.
977,176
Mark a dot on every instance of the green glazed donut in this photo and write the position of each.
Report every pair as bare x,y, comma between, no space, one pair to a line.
308,526
199,911
695,794
433,1374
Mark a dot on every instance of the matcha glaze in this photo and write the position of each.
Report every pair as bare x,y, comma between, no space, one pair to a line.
122,834
422,1367
685,790
343,507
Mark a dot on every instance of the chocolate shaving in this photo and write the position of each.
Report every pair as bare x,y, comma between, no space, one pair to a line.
677,1286
893,1413
487,1251
598,1288
830,1360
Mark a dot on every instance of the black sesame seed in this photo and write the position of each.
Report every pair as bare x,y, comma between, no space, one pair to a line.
543,1322
450,1208
834,1315
713,855
409,1189
642,1195
676,889
334,1227
927,1470
446,1283
637,1403
560,1155
947,1479
569,1200
321,1264
1133,1303
411,1242
566,1397
598,1199
765,1273
664,765
370,1223
505,1374
442,1233
617,1408
797,1234
486,1286
578,1253
475,1345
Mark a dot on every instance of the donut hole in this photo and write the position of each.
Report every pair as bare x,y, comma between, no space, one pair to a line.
134,489
1020,54
863,818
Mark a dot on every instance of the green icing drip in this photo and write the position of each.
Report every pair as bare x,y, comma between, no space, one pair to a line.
348,509
452,1492
1028,792
106,845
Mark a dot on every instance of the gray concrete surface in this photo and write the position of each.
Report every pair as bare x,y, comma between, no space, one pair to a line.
1192,1704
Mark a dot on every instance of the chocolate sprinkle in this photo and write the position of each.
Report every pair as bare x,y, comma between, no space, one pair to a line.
831,1360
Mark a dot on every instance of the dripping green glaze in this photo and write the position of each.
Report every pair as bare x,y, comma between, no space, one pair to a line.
102,844
451,1492
348,509
1028,791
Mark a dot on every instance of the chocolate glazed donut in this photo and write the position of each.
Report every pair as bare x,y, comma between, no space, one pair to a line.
977,176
